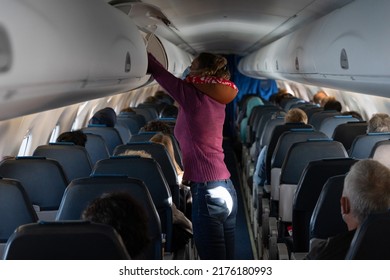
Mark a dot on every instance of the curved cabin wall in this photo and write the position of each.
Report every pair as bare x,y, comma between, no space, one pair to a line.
347,49
56,53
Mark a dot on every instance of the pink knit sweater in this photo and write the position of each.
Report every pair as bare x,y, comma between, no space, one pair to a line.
198,127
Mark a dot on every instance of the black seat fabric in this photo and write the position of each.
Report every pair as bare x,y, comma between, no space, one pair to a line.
43,179
363,144
371,240
301,153
15,208
74,159
110,135
309,189
278,130
288,138
254,119
160,154
129,118
65,241
96,148
316,119
326,220
347,132
297,158
148,171
329,124
81,192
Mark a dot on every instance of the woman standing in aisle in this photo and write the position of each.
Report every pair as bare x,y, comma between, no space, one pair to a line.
198,129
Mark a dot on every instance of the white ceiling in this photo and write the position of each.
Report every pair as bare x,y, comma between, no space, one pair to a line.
239,27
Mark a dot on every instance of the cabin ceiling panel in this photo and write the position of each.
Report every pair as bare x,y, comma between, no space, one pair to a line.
236,26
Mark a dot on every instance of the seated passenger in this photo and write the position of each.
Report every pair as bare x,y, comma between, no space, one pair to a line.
185,192
77,137
167,142
379,122
366,190
320,98
157,126
332,104
125,215
182,226
106,116
294,115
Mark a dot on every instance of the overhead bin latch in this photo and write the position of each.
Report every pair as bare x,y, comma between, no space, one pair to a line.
344,60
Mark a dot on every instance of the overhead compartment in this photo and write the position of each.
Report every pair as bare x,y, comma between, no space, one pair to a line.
62,52
150,20
347,49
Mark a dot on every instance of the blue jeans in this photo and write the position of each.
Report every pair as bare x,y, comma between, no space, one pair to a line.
214,210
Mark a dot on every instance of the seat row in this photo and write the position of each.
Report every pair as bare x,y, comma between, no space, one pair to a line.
299,168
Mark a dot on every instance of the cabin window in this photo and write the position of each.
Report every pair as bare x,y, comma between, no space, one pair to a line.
26,144
54,134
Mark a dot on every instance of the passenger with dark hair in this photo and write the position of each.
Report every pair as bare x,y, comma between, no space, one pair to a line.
332,104
126,216
106,116
199,129
157,126
77,137
366,190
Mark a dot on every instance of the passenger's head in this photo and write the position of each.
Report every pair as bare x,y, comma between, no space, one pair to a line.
295,115
379,122
166,140
125,215
76,137
332,104
106,116
157,126
208,64
140,153
366,190
127,110
169,111
319,97
151,99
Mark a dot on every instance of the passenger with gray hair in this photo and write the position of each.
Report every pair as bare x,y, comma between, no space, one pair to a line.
366,190
379,122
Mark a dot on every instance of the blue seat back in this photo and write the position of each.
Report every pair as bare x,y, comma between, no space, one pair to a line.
160,154
371,240
15,208
347,132
74,159
309,189
288,138
110,135
65,241
96,148
43,179
362,145
301,153
81,192
148,171
329,124
326,220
